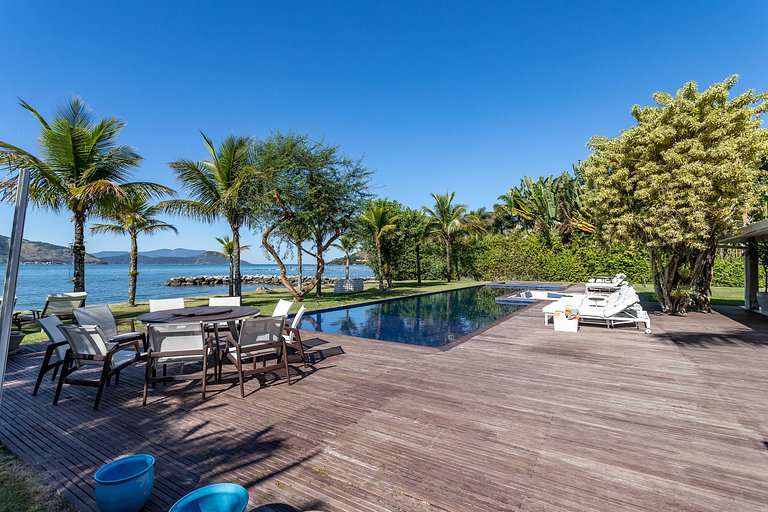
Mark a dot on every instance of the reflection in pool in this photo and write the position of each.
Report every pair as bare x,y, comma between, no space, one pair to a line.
433,320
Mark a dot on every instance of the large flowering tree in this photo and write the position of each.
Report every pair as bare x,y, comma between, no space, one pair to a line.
680,180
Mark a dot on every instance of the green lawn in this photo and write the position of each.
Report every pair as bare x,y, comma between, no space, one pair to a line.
721,295
21,489
266,301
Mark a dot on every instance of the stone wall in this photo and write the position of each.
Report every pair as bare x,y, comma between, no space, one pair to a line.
247,279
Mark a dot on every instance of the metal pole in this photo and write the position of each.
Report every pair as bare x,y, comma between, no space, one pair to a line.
12,271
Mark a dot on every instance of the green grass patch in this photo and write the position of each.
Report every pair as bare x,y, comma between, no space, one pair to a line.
266,301
721,295
22,490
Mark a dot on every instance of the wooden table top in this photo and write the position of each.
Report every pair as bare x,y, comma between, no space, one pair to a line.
203,314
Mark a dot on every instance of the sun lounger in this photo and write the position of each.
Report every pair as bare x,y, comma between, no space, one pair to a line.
60,304
620,308
605,284
573,301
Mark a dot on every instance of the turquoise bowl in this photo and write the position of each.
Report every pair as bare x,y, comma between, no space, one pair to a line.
124,485
214,498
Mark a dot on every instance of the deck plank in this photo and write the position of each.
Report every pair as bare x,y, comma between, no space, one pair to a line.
518,417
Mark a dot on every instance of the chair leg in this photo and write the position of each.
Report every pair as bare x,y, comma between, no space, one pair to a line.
62,376
104,380
55,371
147,375
287,368
300,348
117,378
43,368
240,378
205,373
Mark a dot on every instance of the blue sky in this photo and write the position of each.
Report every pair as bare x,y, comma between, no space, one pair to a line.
461,96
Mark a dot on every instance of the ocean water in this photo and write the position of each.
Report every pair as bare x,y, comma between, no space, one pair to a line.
109,283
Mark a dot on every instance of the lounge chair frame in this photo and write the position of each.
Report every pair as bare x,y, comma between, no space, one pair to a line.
73,361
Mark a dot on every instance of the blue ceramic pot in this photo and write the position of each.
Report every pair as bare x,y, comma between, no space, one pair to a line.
124,485
214,498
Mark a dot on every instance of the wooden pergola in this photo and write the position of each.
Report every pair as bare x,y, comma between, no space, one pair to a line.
745,239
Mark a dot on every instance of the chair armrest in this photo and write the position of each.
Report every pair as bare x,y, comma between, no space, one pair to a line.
53,346
91,357
129,343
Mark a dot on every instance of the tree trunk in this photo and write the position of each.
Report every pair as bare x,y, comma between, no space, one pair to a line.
298,295
300,270
319,268
671,286
378,264
133,271
78,253
231,275
703,278
346,253
418,263
448,260
236,257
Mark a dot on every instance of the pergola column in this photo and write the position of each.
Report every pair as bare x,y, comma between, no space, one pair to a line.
751,274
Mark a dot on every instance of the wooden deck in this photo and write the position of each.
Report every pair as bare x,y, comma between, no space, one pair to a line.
517,418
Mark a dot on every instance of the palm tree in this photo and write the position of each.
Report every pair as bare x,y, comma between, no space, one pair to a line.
548,205
420,227
218,189
446,220
228,251
379,219
80,168
133,216
347,244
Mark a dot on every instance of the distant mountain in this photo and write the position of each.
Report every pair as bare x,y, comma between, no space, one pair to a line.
174,253
157,253
42,252
355,258
202,258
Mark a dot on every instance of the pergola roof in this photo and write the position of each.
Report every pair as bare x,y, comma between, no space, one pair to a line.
757,230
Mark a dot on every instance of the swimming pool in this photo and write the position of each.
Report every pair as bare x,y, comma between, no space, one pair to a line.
432,320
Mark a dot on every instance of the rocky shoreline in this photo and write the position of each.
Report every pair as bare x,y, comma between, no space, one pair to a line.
247,279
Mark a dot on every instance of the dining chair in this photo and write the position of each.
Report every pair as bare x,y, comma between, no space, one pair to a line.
224,301
282,308
258,338
88,349
55,352
165,304
176,343
292,336
101,315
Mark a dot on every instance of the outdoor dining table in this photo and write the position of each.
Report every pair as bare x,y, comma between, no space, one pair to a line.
204,314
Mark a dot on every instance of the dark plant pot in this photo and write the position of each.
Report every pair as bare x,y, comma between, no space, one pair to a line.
124,485
16,339
762,300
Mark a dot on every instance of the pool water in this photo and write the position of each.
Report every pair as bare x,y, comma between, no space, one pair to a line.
432,320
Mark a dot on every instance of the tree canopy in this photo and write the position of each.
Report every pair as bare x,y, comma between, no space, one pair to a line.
307,190
679,180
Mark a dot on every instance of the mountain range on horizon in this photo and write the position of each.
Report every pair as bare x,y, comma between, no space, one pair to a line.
35,252
157,253
166,257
